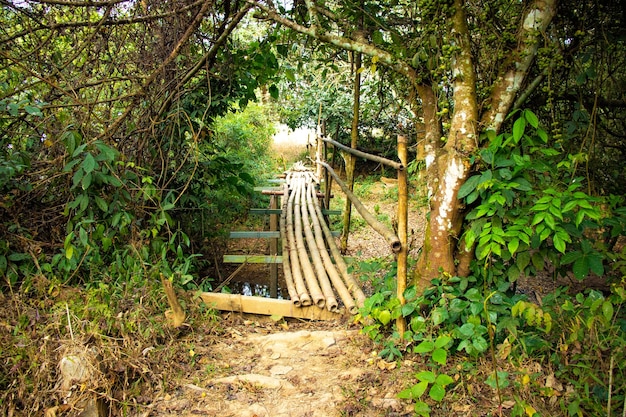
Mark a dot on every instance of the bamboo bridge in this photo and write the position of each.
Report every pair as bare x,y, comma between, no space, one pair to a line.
316,276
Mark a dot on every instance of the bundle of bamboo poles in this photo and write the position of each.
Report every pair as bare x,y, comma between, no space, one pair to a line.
309,249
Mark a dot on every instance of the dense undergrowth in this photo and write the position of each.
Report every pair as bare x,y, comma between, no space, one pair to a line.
554,353
81,258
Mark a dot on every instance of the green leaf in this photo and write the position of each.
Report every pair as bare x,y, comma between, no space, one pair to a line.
531,118
34,111
273,90
102,205
426,376
518,129
406,394
106,152
422,409
424,347
442,340
559,244
89,163
83,237
444,380
473,295
384,317
408,309
69,252
467,330
595,264
581,267
570,257
377,37
419,389
437,392
502,380
290,75
86,181
513,245
440,356
480,344
469,186
439,315
607,310
13,109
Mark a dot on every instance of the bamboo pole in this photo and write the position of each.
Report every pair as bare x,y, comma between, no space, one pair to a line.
331,270
291,288
403,213
305,263
349,280
303,296
383,230
365,155
316,257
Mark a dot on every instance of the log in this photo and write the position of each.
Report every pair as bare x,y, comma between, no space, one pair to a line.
266,306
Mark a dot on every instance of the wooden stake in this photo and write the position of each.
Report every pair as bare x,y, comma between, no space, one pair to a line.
273,250
175,316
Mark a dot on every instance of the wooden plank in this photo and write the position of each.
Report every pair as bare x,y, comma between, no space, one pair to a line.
269,188
253,259
266,306
264,211
254,234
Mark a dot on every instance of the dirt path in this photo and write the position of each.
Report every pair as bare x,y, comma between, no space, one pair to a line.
272,369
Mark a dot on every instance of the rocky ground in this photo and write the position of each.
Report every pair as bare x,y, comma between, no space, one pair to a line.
265,368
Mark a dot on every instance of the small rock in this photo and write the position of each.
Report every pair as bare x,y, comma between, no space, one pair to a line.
280,370
328,341
387,403
275,355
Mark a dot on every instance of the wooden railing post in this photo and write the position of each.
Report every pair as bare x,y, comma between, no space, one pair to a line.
403,213
273,250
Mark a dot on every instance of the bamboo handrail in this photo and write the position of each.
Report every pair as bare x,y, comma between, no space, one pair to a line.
383,230
365,155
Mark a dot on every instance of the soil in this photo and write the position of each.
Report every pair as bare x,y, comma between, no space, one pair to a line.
265,368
